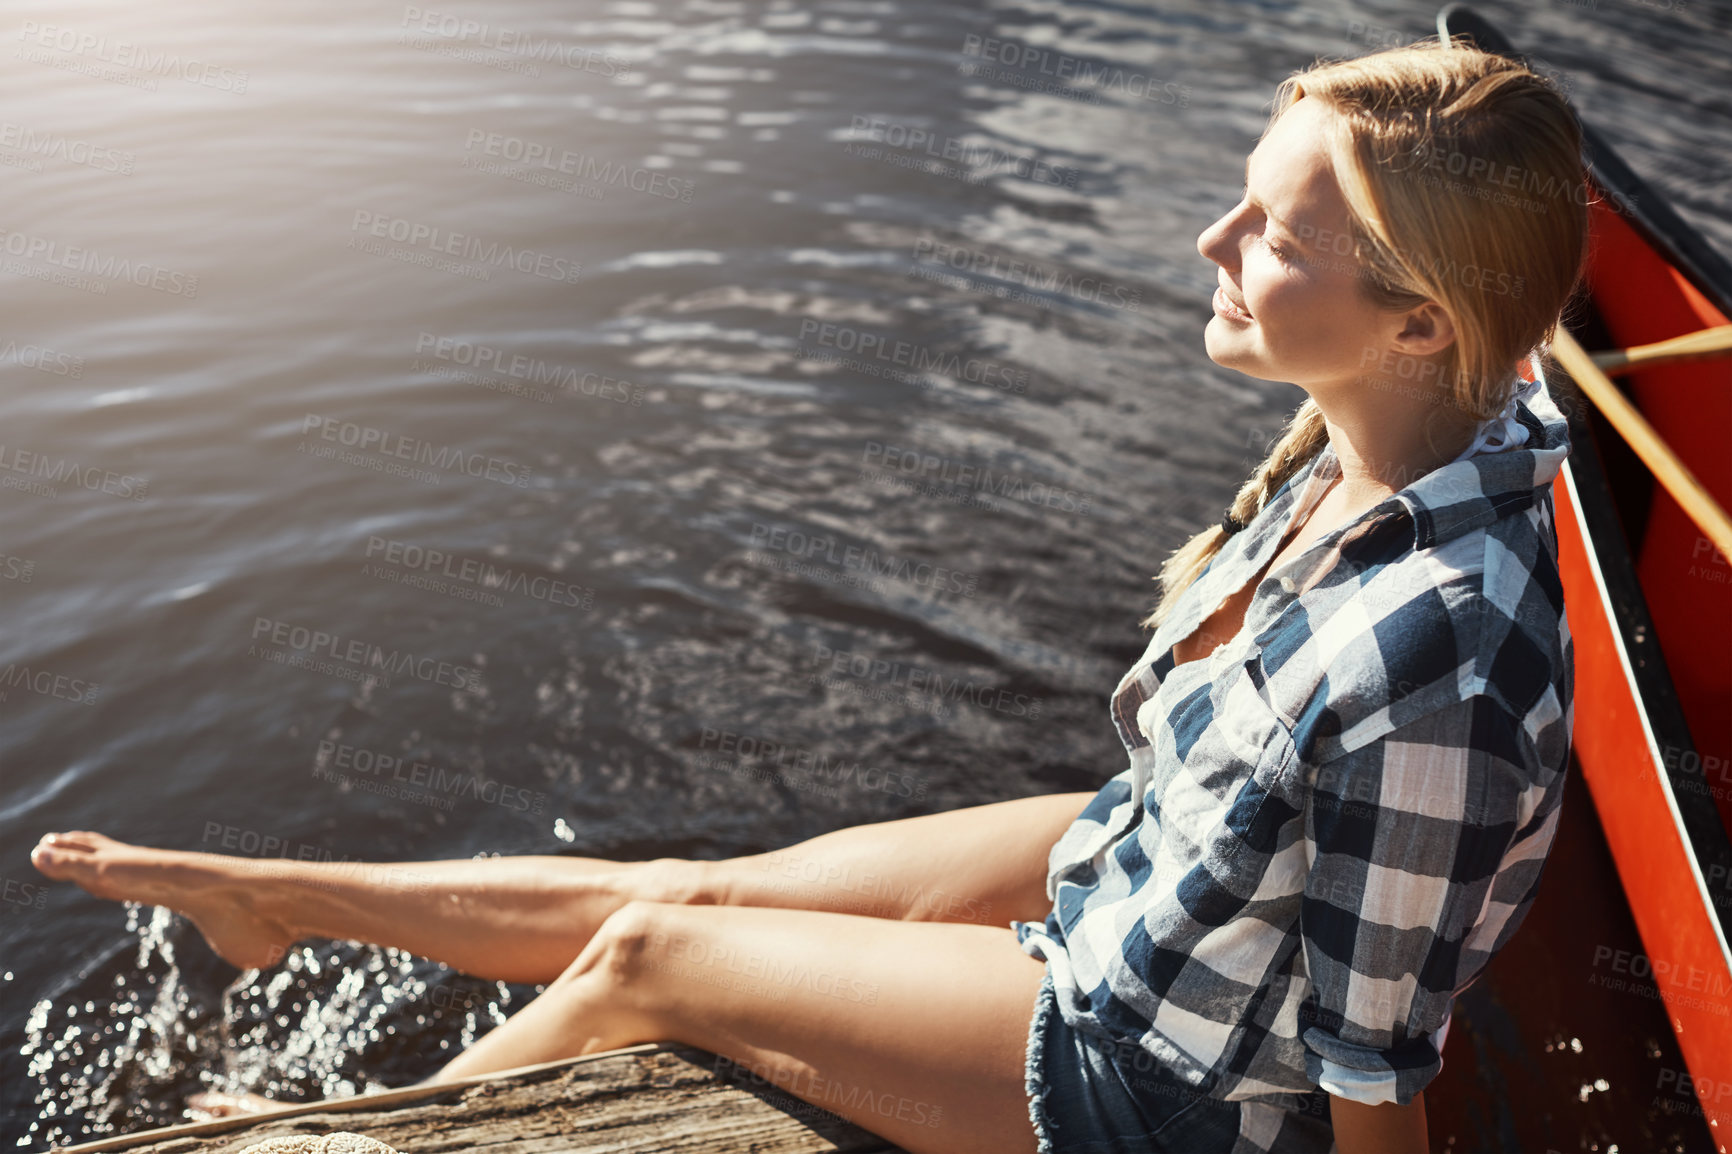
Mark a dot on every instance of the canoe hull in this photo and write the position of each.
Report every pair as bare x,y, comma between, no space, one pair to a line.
1649,602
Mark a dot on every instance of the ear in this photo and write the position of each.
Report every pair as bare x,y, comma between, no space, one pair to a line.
1425,331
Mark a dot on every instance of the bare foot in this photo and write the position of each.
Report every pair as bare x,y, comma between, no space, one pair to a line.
219,1105
222,895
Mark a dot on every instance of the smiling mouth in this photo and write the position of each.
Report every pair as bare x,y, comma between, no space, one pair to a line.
1225,307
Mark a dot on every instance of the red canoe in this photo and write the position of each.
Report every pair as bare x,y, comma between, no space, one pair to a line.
1649,601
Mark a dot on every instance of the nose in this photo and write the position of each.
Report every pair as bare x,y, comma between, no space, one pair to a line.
1218,243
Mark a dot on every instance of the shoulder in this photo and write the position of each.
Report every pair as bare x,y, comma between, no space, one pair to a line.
1395,635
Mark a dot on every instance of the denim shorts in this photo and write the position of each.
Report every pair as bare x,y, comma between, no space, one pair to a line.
1090,1096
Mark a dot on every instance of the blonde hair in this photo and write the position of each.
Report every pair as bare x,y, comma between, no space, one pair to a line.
1456,165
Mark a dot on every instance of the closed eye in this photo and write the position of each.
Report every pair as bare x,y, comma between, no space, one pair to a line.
1280,250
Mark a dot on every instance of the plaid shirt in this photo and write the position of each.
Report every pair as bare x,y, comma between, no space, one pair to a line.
1328,827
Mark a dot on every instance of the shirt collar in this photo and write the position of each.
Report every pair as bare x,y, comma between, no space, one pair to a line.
1470,494
1443,504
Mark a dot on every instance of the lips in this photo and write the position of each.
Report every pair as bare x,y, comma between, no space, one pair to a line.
1227,307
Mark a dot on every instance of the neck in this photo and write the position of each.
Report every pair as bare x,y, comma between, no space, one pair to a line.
1383,450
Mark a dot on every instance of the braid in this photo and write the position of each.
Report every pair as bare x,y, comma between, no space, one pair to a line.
1302,439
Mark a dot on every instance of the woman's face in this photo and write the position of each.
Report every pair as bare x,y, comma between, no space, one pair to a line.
1290,306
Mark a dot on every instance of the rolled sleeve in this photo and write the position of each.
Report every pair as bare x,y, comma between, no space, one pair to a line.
1422,848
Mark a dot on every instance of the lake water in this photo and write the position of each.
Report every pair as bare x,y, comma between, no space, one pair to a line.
627,429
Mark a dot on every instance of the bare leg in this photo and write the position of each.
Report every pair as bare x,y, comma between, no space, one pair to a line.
524,919
513,919
914,1031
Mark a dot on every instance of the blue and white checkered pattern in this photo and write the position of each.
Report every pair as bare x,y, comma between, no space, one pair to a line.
1329,826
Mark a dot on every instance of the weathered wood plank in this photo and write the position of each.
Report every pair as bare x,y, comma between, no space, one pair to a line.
665,1099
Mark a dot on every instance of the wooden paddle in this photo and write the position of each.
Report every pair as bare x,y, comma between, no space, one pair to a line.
1714,342
1655,453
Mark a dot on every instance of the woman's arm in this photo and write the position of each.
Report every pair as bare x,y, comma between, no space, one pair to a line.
1382,1129
1425,848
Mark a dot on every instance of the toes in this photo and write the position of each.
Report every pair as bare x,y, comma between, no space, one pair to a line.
50,859
78,840
59,854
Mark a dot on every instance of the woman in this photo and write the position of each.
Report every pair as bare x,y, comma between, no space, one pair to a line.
1347,737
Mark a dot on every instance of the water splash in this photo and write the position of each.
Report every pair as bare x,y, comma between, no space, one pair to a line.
126,1045
98,1060
315,1027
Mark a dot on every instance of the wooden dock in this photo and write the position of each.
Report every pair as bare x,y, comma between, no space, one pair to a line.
654,1097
